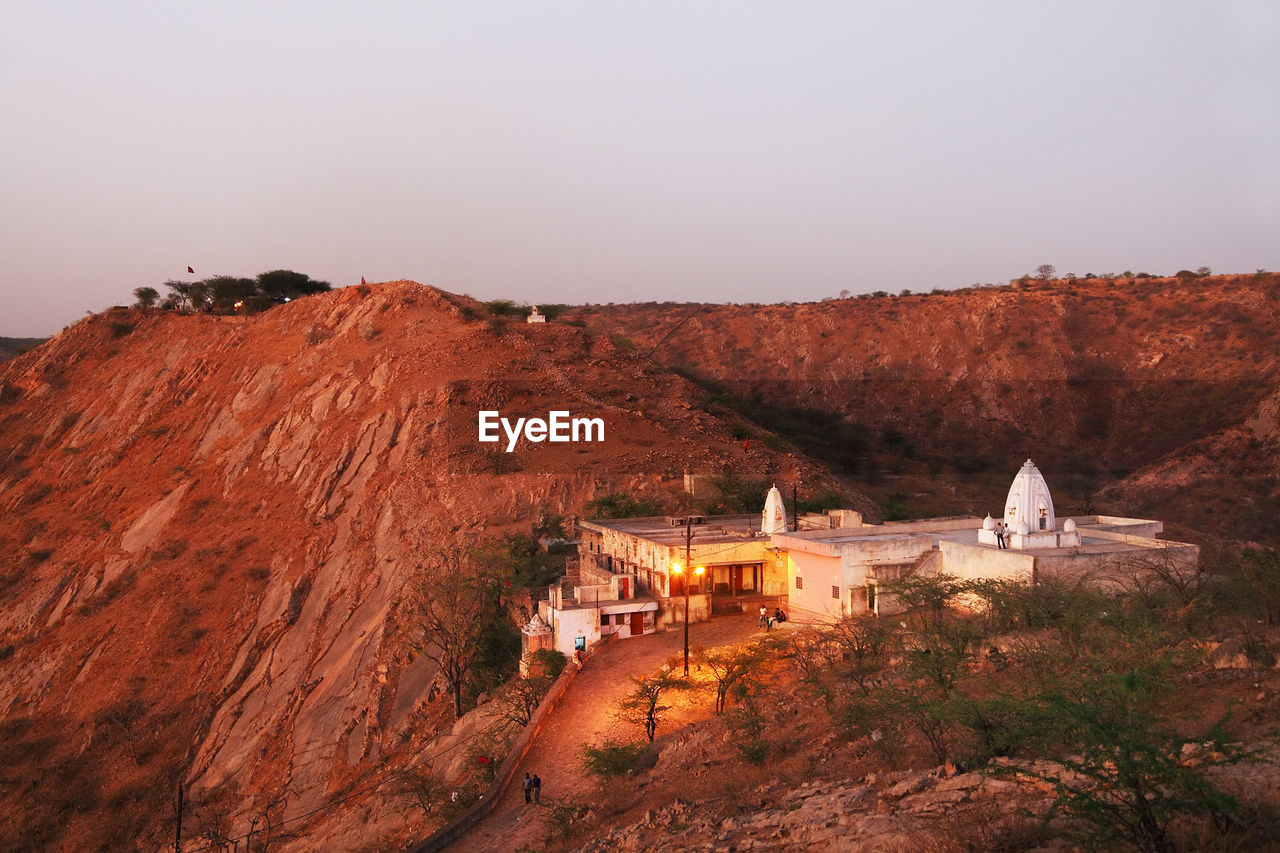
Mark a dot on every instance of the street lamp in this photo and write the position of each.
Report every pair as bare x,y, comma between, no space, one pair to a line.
677,569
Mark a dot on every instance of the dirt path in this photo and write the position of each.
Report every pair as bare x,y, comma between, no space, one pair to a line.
587,714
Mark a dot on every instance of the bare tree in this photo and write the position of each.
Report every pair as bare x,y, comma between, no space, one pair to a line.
520,697
728,667
644,704
1044,272
453,602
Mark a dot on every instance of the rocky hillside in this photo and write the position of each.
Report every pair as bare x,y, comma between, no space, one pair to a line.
208,523
1149,396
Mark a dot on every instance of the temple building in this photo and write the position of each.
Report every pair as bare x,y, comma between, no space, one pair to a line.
834,573
829,566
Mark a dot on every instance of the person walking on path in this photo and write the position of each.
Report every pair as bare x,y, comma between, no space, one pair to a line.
537,789
527,785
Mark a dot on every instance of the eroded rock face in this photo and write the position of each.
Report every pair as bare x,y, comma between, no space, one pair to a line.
209,523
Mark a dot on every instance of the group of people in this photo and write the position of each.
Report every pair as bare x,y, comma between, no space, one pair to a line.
532,788
1002,530
767,621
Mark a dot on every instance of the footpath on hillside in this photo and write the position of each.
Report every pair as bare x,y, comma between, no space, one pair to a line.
588,715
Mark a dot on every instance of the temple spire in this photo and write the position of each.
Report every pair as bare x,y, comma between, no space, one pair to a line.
774,517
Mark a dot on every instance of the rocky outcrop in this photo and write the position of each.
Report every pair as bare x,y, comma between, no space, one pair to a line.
876,814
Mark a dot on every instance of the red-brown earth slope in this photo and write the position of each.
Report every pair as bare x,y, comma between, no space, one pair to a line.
207,524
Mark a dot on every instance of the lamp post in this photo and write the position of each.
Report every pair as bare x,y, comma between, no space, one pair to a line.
679,570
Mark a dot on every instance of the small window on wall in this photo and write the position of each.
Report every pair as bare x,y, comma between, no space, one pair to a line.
604,618
835,592
799,582
871,596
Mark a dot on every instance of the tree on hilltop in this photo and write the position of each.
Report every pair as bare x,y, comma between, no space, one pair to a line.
1044,272
146,296
280,285
226,294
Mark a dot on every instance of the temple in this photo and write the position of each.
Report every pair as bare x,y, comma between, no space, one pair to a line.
774,517
830,566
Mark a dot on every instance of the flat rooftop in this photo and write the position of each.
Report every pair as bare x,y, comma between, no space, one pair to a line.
715,529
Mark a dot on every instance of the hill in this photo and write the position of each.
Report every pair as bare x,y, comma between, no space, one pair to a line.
1155,397
9,347
210,523
212,520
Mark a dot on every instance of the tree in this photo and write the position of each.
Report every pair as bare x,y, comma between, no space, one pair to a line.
453,604
226,293
644,704
1123,768
1044,272
280,285
520,697
862,641
728,667
146,296
179,298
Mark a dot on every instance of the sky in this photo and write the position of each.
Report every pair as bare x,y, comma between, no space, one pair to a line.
605,151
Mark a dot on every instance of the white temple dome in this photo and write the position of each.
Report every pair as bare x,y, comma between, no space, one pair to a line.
1069,526
1029,501
988,523
774,517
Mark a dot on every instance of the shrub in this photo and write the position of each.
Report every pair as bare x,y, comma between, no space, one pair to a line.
550,661
754,751
504,308
612,759
620,505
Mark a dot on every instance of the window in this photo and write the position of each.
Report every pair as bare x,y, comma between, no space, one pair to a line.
871,596
835,592
604,618
799,582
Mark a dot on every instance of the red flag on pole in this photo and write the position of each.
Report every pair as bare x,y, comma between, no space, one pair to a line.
189,269
362,279
746,444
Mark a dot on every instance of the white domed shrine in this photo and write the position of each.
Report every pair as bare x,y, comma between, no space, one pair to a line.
1029,516
774,517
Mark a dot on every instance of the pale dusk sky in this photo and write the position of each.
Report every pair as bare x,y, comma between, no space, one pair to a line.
608,151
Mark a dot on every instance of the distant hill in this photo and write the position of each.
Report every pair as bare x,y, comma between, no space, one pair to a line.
9,347
1147,396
